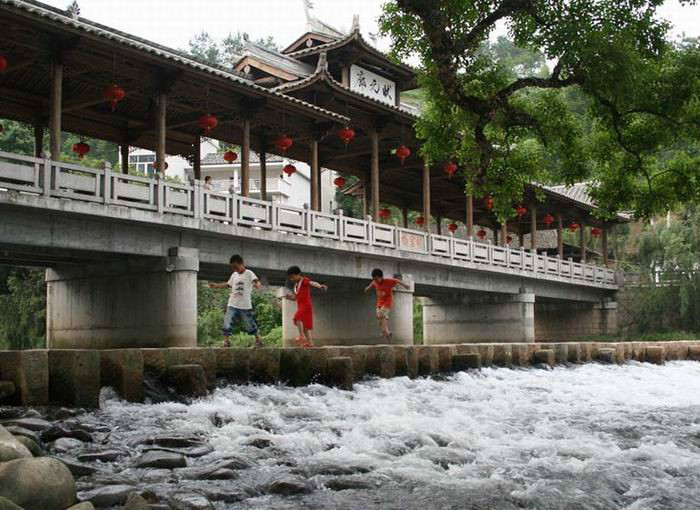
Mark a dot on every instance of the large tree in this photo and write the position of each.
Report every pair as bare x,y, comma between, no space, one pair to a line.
618,103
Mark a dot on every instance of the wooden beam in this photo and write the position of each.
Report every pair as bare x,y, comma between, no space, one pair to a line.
124,151
161,113
245,158
81,103
197,158
55,109
533,227
560,234
262,155
375,174
404,217
582,240
38,138
470,216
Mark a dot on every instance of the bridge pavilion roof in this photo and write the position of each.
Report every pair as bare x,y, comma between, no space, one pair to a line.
33,35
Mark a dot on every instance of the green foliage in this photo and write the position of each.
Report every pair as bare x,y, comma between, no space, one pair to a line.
23,309
620,106
224,52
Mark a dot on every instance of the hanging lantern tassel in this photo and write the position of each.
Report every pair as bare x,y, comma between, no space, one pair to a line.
347,134
81,148
113,94
402,152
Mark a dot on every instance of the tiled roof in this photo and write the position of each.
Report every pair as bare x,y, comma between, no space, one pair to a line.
217,158
90,27
277,60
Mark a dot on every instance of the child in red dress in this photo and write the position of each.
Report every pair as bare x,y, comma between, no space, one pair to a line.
304,318
385,298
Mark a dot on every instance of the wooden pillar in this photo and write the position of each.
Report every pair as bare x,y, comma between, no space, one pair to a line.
470,215
582,241
245,159
521,238
560,234
161,111
438,221
319,189
38,138
504,234
263,171
533,227
426,194
604,246
313,164
404,217
124,150
197,158
365,195
56,108
375,174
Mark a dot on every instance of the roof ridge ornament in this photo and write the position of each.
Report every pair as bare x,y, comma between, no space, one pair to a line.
322,65
355,23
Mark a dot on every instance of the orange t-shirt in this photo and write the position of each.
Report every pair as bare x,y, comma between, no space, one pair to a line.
385,292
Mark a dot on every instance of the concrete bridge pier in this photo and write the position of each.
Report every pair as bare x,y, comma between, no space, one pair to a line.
346,315
564,321
479,319
133,303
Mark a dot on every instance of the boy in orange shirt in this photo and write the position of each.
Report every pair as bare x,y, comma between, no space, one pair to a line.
385,298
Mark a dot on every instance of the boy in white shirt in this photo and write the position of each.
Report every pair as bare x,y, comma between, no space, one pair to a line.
239,305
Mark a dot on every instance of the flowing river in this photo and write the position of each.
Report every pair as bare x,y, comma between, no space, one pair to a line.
583,438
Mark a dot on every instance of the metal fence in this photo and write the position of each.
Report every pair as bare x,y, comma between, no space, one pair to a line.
66,180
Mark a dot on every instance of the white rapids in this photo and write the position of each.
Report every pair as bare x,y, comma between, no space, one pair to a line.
593,437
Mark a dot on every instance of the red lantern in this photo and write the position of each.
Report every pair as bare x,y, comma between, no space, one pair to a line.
81,148
207,122
481,234
452,227
595,232
521,211
289,169
420,221
283,143
548,219
113,94
509,239
347,134
384,213
450,168
488,202
339,181
230,157
402,152
573,226
3,63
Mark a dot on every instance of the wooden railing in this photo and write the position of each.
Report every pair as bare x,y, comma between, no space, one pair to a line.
69,181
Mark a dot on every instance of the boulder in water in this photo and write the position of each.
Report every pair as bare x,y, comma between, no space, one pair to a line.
58,432
136,502
108,496
78,468
6,504
31,445
190,502
161,460
67,445
35,424
109,455
37,484
188,380
21,431
289,487
11,448
85,505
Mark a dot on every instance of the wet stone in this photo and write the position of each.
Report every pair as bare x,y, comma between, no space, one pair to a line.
194,451
58,431
289,487
85,505
31,445
101,456
105,497
78,468
6,504
544,357
190,502
67,445
21,431
161,460
136,502
207,473
34,424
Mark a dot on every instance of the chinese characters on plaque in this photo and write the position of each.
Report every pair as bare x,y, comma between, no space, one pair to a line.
369,84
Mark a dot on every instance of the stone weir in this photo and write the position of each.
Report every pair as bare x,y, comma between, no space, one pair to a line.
74,377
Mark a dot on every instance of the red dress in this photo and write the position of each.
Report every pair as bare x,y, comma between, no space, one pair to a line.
305,314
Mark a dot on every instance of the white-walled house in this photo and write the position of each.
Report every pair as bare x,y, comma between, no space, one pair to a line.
144,160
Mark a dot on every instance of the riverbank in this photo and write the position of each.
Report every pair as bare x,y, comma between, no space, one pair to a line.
74,377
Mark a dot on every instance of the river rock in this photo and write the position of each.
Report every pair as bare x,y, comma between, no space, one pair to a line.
194,451
7,389
210,472
223,495
190,502
110,495
35,424
161,460
38,484
289,487
85,505
59,431
67,445
31,445
21,431
109,455
234,462
11,448
78,468
10,413
136,502
6,504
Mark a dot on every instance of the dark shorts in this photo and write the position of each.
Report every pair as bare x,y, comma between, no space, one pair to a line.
246,318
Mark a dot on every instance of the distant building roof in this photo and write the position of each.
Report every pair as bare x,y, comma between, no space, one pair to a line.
217,158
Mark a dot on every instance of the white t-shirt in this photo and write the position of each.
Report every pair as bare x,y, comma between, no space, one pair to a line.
241,287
